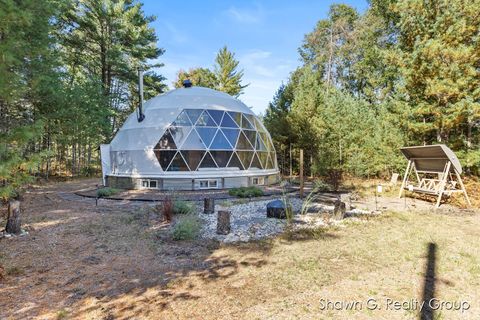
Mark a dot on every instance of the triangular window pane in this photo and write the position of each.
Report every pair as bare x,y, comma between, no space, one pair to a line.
235,162
164,157
182,120
246,123
231,134
178,164
193,157
193,114
263,157
221,157
245,157
220,142
270,162
237,116
206,134
251,135
207,162
193,142
216,116
166,142
243,143
179,134
228,122
256,163
260,145
259,125
205,121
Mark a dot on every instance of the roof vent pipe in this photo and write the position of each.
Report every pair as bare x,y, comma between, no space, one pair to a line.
187,83
141,115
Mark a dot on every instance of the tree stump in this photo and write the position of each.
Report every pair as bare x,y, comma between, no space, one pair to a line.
339,210
223,222
208,205
13,218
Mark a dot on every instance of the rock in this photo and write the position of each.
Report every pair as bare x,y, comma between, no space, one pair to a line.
339,210
223,222
277,209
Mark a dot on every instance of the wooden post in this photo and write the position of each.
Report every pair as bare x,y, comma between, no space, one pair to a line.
208,205
442,183
339,210
291,161
463,188
13,219
405,177
301,173
223,222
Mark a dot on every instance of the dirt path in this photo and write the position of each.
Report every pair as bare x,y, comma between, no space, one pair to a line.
117,261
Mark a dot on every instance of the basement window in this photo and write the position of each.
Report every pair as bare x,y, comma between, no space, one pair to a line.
208,184
258,181
149,184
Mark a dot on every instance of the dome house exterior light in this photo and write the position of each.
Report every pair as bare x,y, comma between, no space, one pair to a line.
190,138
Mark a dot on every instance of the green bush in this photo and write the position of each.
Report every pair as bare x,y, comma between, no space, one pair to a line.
322,186
107,192
246,192
186,228
182,207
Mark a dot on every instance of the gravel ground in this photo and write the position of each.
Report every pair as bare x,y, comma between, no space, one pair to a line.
249,220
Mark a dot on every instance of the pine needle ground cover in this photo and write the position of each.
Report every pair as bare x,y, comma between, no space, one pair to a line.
119,262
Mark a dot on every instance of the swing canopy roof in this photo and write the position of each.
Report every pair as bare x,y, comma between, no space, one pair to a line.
432,158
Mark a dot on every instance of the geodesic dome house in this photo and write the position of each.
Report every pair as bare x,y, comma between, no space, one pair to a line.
190,138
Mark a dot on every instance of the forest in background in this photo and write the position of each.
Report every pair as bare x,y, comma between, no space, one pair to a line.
403,72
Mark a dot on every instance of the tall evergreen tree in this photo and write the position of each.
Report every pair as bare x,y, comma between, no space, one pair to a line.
201,77
228,78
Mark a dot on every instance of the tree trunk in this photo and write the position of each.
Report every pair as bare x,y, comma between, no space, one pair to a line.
223,222
208,205
13,219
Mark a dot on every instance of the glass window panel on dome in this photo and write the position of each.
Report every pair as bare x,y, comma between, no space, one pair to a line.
258,124
243,143
178,164
193,114
235,162
227,122
237,116
251,136
265,140
193,142
221,157
164,157
207,162
166,142
260,145
205,121
231,135
270,163
246,124
179,134
216,115
220,142
193,158
245,158
182,120
206,134
263,156
256,163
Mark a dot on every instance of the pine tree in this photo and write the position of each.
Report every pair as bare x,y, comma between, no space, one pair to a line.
228,78
201,77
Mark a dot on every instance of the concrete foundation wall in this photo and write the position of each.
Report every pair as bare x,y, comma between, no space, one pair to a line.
186,184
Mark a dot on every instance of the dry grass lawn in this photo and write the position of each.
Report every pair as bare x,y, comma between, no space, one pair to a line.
115,261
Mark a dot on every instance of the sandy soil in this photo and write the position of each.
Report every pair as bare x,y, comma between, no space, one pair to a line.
117,261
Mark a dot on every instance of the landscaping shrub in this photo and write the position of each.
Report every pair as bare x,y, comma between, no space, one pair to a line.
322,186
182,207
246,192
187,227
107,192
168,208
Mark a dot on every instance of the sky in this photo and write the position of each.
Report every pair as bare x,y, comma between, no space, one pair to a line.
264,35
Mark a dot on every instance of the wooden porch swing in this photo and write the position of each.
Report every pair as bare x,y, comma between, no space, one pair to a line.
437,172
